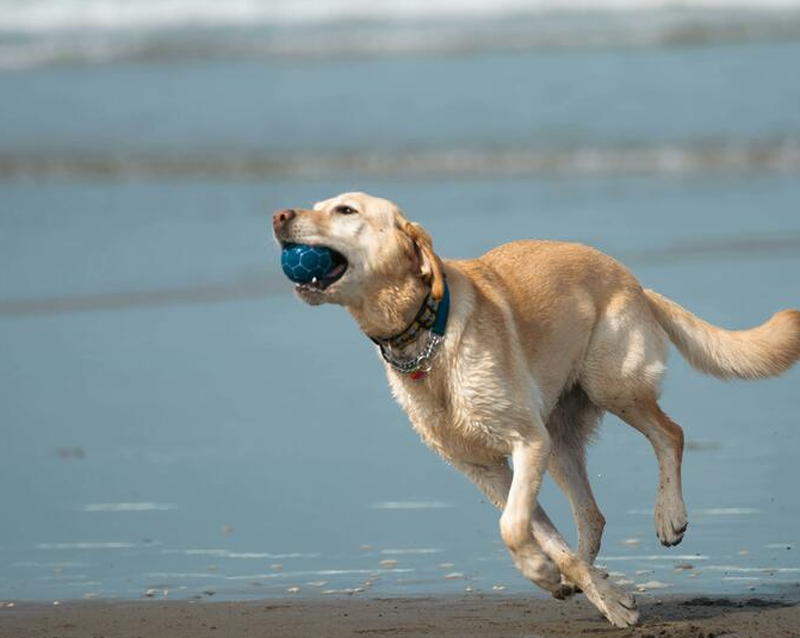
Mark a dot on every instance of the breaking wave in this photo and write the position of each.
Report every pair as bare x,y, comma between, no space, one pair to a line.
37,16
90,32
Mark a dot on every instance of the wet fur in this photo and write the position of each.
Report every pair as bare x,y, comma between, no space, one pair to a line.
543,338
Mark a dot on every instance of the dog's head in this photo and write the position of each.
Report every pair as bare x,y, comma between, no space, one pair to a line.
374,247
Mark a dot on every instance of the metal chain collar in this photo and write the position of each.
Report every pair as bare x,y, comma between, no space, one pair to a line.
422,361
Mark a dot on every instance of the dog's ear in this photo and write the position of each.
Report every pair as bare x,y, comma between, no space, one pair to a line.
429,263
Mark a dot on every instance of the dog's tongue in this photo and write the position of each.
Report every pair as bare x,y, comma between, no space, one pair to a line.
336,271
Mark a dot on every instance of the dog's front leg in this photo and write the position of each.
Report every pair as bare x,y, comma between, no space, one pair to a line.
495,481
530,460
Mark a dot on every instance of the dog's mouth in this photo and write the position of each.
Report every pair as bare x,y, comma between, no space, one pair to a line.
337,271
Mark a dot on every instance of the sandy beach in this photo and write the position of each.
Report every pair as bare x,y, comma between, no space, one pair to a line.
442,617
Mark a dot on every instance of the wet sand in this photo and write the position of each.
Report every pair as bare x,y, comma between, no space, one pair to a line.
442,617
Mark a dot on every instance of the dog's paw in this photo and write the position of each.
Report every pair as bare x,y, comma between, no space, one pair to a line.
670,520
565,590
617,606
539,569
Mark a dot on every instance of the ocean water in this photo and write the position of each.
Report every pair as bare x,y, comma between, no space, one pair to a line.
176,424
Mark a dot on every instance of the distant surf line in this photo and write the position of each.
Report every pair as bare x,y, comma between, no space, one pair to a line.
693,158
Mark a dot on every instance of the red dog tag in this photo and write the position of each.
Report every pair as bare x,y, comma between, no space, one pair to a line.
417,375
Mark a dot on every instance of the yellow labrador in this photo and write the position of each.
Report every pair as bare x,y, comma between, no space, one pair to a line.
515,356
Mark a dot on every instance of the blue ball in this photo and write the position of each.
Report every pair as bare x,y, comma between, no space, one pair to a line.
301,263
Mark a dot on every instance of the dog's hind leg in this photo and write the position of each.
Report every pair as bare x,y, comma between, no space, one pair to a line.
622,373
666,437
571,425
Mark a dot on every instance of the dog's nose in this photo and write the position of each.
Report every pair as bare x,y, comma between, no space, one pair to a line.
281,217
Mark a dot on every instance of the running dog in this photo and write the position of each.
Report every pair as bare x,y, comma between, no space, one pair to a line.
516,355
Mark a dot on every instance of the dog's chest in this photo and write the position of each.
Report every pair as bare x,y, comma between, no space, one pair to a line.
466,421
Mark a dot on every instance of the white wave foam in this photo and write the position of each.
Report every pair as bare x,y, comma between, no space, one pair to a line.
410,505
43,16
745,570
61,564
726,511
742,578
224,553
260,555
110,545
652,557
129,507
709,511
321,572
197,552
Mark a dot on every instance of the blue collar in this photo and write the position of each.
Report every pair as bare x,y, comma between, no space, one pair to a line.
432,316
442,312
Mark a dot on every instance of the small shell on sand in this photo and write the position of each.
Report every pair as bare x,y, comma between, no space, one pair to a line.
454,576
652,584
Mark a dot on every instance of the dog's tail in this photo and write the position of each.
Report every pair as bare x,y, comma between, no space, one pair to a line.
765,351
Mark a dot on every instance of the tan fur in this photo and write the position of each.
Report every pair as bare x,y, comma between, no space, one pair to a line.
543,338
765,351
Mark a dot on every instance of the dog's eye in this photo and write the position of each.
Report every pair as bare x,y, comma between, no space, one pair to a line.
344,210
